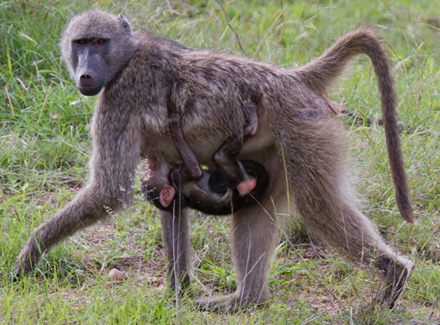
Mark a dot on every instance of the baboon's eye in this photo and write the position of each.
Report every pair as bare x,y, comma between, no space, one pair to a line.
80,42
100,41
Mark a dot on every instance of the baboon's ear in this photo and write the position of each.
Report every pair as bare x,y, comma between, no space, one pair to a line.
125,24
166,195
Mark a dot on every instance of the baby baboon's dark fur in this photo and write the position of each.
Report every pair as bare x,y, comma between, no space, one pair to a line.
210,193
299,141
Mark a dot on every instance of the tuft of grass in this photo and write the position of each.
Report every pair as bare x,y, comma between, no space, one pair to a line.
45,147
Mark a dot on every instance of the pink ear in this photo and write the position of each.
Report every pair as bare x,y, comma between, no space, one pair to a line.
166,195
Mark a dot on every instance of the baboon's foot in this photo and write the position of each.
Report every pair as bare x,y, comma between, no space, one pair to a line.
226,304
184,284
181,286
246,186
395,278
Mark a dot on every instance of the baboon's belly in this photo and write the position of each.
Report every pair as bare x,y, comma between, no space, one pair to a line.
162,147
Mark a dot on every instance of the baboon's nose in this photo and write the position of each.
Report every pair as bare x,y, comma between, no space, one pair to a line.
86,80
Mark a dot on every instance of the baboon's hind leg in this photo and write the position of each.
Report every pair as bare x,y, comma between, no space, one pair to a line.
254,236
177,246
320,186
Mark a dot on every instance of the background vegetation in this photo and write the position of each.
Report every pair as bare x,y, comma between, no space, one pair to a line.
45,146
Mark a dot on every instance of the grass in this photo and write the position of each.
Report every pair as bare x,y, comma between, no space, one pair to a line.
45,146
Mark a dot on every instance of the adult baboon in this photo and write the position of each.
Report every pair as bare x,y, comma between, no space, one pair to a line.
299,142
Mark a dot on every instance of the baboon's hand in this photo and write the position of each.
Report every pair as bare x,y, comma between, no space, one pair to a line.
232,303
27,259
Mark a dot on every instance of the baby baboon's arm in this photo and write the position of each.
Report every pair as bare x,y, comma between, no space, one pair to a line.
226,157
188,157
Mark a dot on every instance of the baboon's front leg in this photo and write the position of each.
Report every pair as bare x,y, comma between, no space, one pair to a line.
83,211
116,153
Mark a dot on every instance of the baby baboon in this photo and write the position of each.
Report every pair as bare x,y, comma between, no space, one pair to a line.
207,194
226,157
230,172
299,141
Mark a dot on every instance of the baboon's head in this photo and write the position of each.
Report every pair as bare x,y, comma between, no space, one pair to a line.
96,46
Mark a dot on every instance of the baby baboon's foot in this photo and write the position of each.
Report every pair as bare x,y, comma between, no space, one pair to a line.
250,113
246,186
395,278
225,304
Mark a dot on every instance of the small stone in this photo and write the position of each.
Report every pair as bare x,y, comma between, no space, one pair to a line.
116,275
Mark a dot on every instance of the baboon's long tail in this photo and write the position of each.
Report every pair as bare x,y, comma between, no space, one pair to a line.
322,72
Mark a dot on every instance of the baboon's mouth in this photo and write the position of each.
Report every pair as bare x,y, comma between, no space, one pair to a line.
89,91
